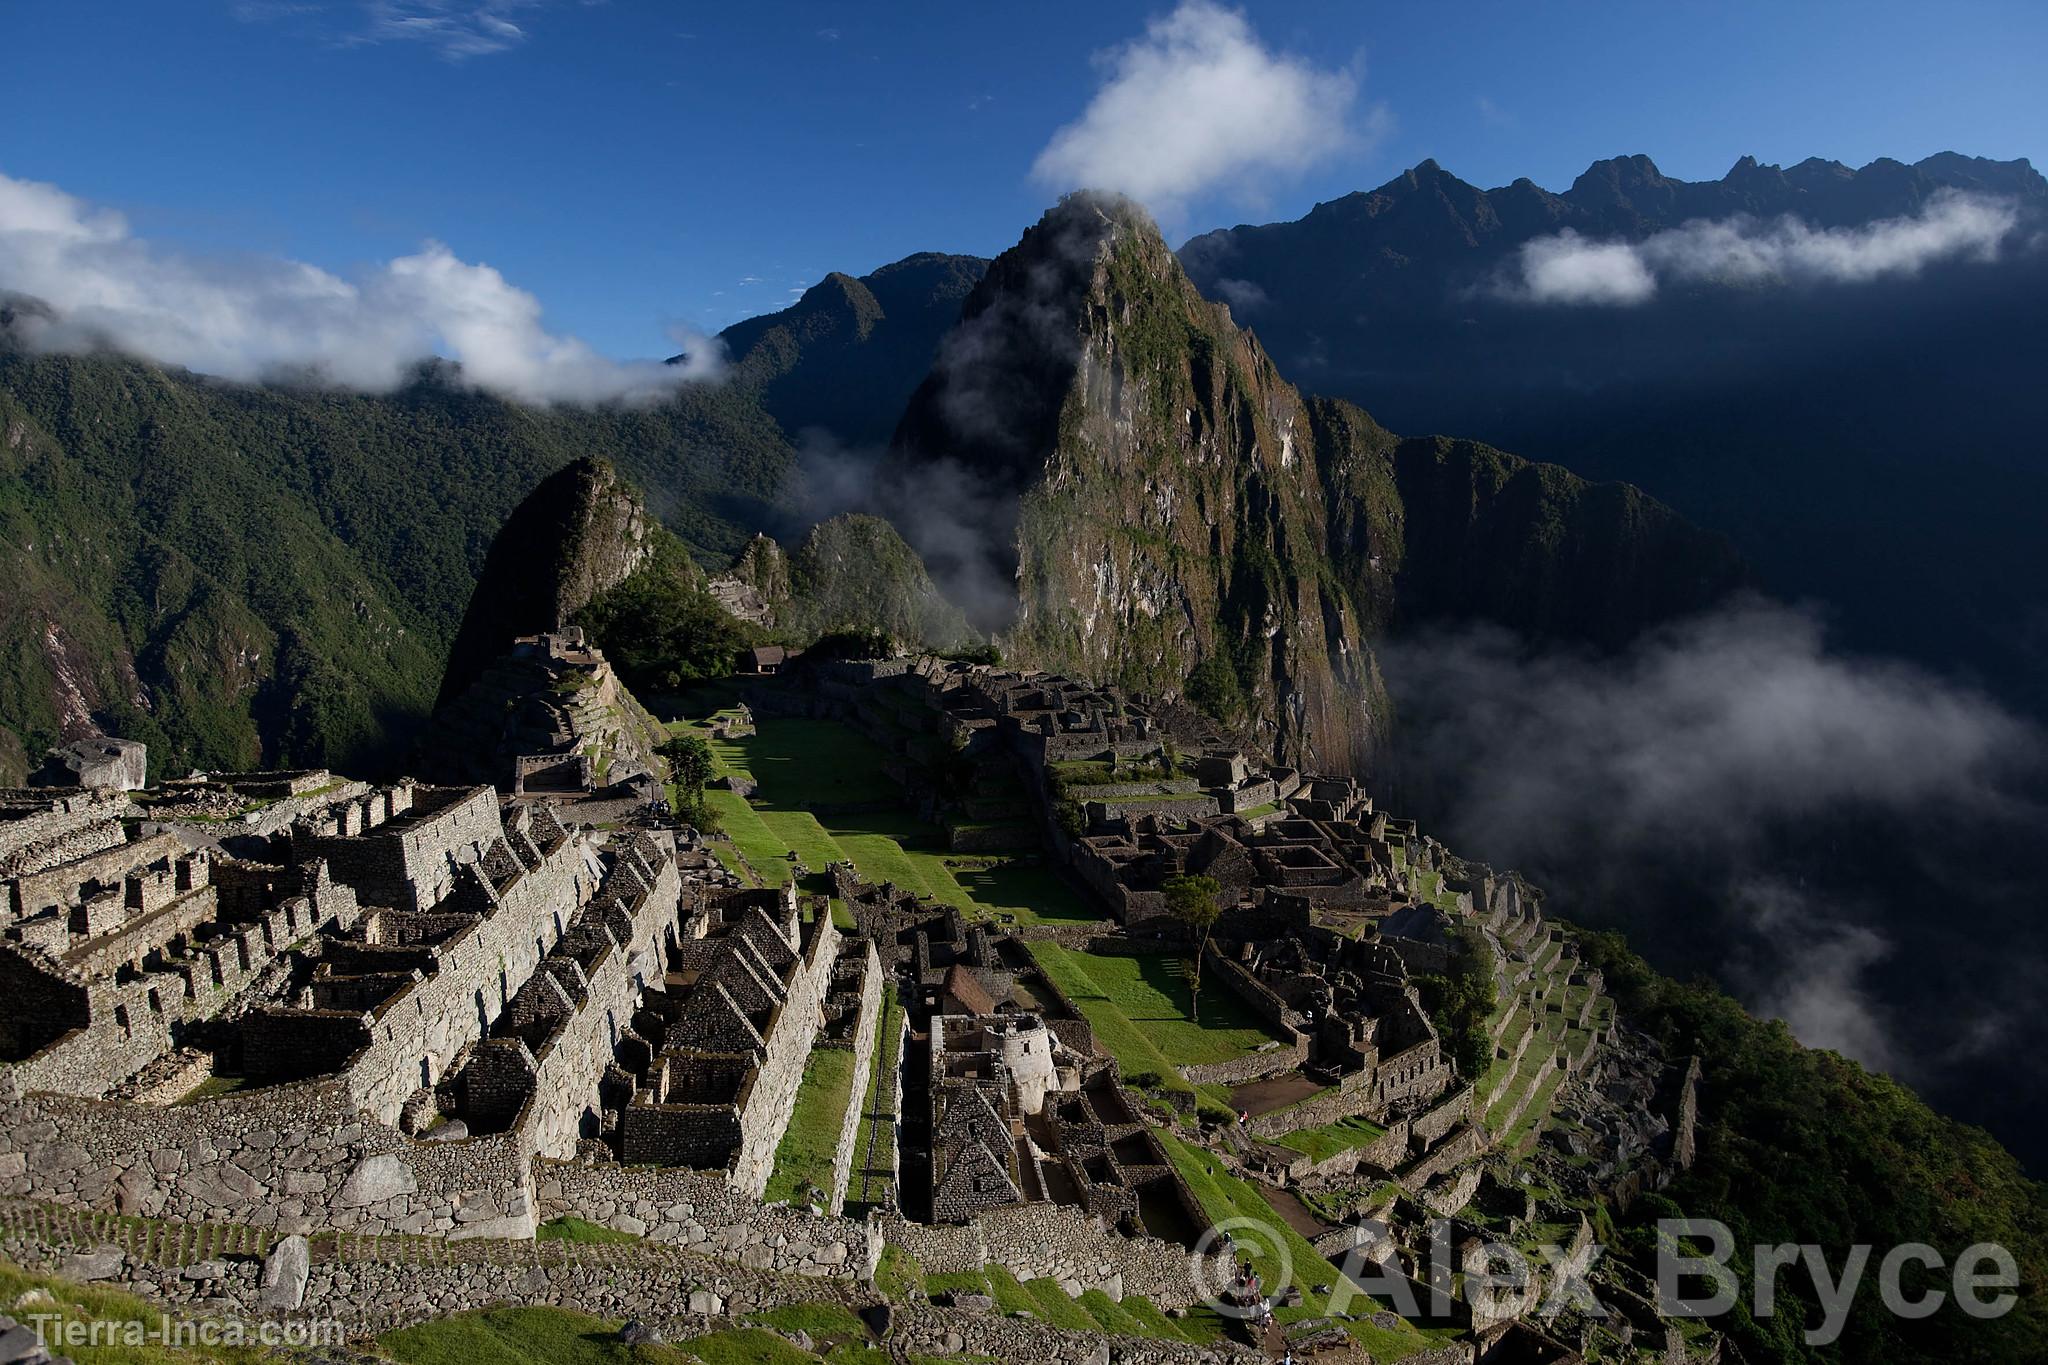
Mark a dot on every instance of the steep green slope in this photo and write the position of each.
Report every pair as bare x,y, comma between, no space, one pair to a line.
1800,1145
1434,529
853,572
239,574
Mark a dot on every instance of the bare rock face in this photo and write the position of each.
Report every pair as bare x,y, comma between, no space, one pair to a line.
1161,506
581,531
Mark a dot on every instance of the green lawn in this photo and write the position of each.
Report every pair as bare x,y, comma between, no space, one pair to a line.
569,1228
529,1336
1325,1141
811,1142
1094,1311
91,1303
1142,1003
799,764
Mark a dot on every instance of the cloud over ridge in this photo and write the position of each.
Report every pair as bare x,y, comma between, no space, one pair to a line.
1716,745
1568,268
259,319
1198,101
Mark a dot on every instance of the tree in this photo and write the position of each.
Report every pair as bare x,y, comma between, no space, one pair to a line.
1192,901
689,766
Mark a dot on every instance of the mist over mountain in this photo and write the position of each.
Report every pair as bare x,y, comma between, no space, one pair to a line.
1836,368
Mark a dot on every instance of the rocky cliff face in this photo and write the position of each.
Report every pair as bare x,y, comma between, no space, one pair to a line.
1163,479
1178,518
580,532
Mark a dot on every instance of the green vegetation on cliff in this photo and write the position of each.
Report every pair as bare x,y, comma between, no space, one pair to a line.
1802,1145
239,574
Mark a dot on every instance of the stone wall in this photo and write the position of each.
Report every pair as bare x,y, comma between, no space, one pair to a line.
1057,1241
418,1031
1430,1127
1683,1142
863,1074
564,1103
293,1158
772,1092
701,1211
59,828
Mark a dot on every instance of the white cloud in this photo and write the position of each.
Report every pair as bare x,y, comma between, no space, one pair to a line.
457,29
264,318
1723,753
1571,269
1198,101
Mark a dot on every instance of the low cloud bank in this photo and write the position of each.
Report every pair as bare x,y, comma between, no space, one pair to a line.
1198,102
1730,753
1568,268
260,319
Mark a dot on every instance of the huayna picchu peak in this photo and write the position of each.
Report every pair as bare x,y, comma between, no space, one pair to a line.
1178,517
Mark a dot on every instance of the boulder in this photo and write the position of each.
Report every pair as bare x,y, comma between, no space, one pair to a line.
285,1271
101,1263
374,1180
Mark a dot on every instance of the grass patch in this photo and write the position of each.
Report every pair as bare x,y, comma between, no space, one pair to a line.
874,1142
799,762
810,1144
824,1322
1325,1141
1151,995
90,1304
530,1336
897,1272
744,1346
1223,1196
570,1228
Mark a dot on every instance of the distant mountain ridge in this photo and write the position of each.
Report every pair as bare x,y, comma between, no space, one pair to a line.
845,356
1874,445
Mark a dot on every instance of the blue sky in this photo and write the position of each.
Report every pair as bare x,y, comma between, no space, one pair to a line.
635,164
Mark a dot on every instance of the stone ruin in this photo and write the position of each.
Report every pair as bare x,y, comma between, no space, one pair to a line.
548,718
706,1068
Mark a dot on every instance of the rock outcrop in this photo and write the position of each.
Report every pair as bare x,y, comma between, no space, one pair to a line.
581,531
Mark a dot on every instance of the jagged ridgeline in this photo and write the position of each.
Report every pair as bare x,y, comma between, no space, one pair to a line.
1178,518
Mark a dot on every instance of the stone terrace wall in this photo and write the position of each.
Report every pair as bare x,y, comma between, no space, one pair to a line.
863,1068
417,1032
573,1061
372,1288
73,826
701,1211
1430,1127
1057,1241
293,1158
790,1033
